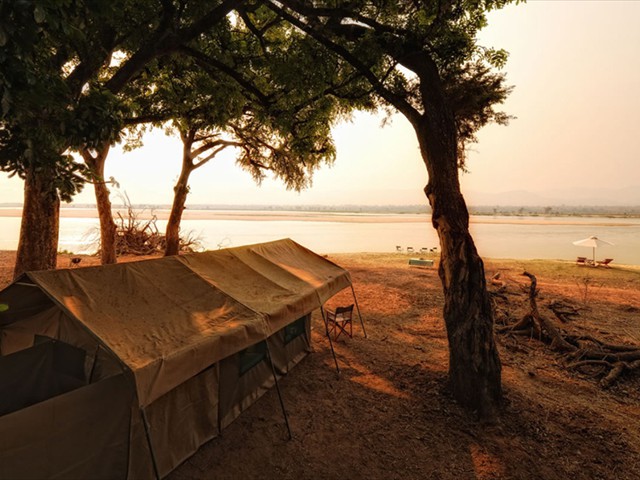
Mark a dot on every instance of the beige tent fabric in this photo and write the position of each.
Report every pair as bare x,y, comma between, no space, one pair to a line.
20,335
161,319
82,433
168,319
324,276
183,419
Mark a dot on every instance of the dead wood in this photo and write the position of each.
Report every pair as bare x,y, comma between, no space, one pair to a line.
613,374
558,342
563,311
582,352
143,237
611,347
499,293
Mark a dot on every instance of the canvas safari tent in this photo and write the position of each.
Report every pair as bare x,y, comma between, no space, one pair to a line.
123,371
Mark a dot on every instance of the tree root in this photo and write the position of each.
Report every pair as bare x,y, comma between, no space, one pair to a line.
563,312
581,352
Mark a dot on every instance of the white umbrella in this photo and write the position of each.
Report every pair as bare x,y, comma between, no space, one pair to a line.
593,242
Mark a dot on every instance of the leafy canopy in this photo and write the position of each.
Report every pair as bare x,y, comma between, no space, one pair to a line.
59,87
414,51
258,85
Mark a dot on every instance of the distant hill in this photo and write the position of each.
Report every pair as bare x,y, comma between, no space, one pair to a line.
592,197
569,201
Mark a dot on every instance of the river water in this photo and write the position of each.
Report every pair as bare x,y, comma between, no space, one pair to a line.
495,237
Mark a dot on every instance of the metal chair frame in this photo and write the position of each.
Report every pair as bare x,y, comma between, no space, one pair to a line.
339,320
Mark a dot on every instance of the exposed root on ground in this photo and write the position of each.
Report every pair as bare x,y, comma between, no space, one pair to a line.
584,353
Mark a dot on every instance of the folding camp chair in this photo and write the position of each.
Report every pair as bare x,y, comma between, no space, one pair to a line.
339,321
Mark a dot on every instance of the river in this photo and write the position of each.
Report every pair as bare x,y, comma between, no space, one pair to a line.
495,236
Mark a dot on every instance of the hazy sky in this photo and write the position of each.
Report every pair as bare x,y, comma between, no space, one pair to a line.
575,66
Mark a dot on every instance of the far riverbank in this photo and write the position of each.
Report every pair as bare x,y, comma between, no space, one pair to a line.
349,217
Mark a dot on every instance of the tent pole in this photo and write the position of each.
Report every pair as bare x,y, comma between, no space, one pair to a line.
326,329
275,379
93,365
145,422
355,299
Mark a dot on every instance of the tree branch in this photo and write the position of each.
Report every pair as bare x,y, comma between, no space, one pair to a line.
209,63
397,101
220,148
163,41
339,14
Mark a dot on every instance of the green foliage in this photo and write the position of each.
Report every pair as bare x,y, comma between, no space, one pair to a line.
254,80
63,65
97,118
255,84
397,44
76,72
47,109
303,90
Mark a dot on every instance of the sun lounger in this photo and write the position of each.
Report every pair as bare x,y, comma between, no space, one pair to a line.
581,261
604,263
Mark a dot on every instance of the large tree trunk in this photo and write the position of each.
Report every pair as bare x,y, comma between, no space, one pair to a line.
474,364
39,230
107,225
181,190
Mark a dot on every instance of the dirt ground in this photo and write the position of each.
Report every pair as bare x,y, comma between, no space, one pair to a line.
388,414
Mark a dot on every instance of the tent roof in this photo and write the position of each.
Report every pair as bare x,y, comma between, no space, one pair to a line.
168,319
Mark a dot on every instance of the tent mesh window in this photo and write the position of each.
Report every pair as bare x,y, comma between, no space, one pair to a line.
295,329
33,375
252,356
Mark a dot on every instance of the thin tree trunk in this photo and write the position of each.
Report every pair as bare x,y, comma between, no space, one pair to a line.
181,190
39,230
103,203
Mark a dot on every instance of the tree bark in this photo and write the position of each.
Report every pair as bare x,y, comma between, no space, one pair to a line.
39,229
107,225
474,363
181,190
